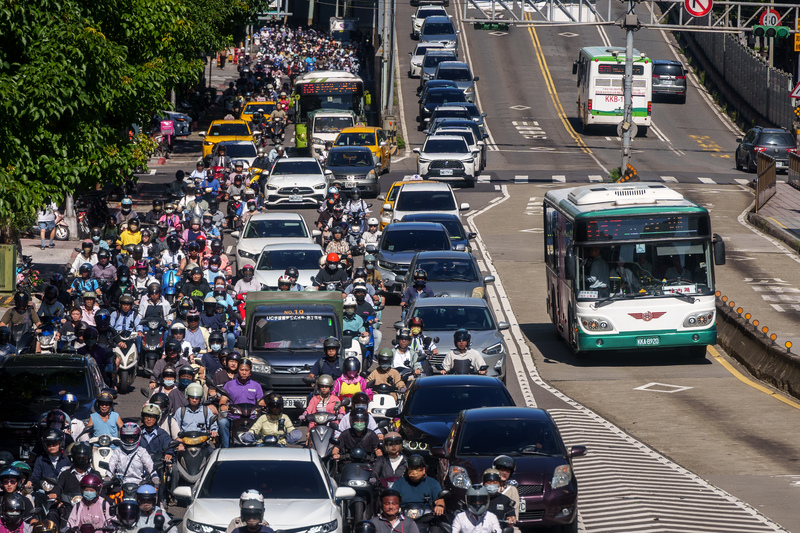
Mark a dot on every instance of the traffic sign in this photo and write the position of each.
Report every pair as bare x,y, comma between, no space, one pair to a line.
797,42
697,8
769,17
796,91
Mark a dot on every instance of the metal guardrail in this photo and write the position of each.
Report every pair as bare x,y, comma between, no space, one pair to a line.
794,171
766,184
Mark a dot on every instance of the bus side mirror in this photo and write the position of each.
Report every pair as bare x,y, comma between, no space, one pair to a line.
574,67
569,265
719,250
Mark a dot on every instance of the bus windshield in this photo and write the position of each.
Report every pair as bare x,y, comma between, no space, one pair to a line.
344,102
644,270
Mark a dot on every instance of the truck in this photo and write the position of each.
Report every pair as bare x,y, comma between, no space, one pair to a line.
324,125
283,337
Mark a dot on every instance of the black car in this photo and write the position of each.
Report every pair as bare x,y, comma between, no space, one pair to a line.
433,403
452,223
777,143
436,97
544,475
31,385
669,79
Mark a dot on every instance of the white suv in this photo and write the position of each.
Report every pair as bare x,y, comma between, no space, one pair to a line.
422,196
448,156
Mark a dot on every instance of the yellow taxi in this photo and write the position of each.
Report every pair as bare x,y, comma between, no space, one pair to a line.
265,108
225,130
387,207
373,138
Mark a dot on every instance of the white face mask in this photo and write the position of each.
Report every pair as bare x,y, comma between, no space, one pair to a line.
492,488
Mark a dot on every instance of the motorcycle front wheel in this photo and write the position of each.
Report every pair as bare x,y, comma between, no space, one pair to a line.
122,378
62,233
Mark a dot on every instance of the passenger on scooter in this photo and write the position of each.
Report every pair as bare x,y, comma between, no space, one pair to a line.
321,402
351,381
104,421
350,320
196,336
359,402
178,332
415,486
92,508
122,286
155,440
390,519
293,273
476,518
173,356
241,390
365,308
392,463
358,436
274,422
54,461
419,341
69,405
50,306
462,340
166,422
337,244
499,504
403,355
418,290
386,374
330,364
130,462
251,515
84,283
194,416
87,255
143,278
106,360
211,359
89,308
228,372
208,227
506,466
147,498
69,482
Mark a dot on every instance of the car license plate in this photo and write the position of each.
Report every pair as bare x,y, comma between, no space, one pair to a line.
295,198
297,403
522,505
647,341
446,172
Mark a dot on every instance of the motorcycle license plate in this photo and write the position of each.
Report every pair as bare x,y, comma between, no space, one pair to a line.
295,198
298,403
446,172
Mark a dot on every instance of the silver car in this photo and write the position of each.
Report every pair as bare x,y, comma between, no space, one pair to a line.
474,144
439,29
354,167
459,73
417,56
430,61
448,156
422,13
296,181
454,274
443,316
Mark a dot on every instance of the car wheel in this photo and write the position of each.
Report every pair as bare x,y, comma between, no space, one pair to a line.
750,166
736,160
642,131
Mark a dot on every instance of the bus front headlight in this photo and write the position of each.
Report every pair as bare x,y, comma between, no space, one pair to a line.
591,323
699,320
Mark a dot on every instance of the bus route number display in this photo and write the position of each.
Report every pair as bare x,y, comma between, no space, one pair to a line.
332,87
638,70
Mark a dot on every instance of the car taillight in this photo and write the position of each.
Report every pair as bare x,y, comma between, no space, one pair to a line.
760,149
649,108
680,77
792,150
656,77
589,105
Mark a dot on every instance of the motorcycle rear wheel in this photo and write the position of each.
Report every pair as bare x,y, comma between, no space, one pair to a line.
123,379
62,233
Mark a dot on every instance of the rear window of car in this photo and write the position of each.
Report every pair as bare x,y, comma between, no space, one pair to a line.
432,60
668,70
438,28
274,229
445,146
449,401
777,139
426,201
402,240
224,130
454,74
516,437
441,96
38,384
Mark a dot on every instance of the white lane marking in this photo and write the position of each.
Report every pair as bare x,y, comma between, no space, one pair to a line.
669,179
497,187
742,181
664,138
594,178
559,179
520,179
400,99
153,172
230,250
529,129
707,181
742,219
484,179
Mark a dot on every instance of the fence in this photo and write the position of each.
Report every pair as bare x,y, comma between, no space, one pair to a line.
794,171
766,184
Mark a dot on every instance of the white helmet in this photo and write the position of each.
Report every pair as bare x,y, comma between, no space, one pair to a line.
350,300
372,222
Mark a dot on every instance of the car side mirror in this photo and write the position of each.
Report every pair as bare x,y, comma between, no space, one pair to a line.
460,248
464,207
438,452
476,78
383,143
472,235
185,492
399,325
400,279
574,67
256,132
387,207
344,493
316,233
488,279
569,264
235,234
381,197
202,134
329,172
577,451
738,140
416,151
719,250
502,326
411,54
483,115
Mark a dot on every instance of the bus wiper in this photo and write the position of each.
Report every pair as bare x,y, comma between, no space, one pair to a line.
682,296
610,299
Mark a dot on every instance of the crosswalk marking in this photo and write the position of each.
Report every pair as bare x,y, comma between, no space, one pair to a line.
742,181
595,178
559,179
520,179
707,181
669,179
484,178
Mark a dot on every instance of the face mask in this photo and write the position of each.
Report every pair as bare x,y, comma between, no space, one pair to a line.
359,426
370,266
333,266
418,283
349,311
352,375
95,240
386,366
169,382
251,208
213,268
123,279
216,347
416,331
492,488
89,495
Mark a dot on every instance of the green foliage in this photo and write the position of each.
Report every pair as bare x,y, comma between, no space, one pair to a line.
614,174
74,77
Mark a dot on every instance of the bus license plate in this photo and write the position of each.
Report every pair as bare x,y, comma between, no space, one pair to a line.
297,403
647,341
446,172
295,198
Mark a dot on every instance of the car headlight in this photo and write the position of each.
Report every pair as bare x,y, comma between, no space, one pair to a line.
470,89
208,143
317,140
699,320
387,265
261,368
596,324
427,76
451,43
494,349
498,366
561,477
272,188
459,477
319,187
197,527
246,255
324,528
415,445
371,175
416,63
424,161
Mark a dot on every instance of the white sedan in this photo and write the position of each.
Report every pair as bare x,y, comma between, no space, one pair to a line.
422,13
418,55
298,493
276,258
270,228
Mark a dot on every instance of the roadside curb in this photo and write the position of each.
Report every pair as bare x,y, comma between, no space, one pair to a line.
786,237
763,358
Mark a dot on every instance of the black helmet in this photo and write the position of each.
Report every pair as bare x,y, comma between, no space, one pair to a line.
337,230
172,346
233,356
415,461
90,336
5,460
252,508
95,233
103,254
158,204
275,400
332,342
87,245
161,400
85,268
216,338
169,371
138,252
462,335
216,246
404,333
124,271
102,318
153,289
21,298
196,270
292,272
81,454
69,404
504,461
360,398
12,509
128,513
126,299
360,272
365,526
53,436
351,364
359,415
491,474
173,243
356,194
56,418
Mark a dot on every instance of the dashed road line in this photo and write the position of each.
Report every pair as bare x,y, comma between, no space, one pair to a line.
559,179
595,178
669,179
707,181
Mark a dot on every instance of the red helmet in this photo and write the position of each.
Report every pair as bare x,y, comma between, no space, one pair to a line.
416,322
93,481
332,258
201,241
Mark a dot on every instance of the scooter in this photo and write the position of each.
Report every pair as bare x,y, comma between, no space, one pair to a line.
47,335
152,343
463,367
190,463
422,514
169,282
321,435
102,452
247,414
356,474
128,359
382,400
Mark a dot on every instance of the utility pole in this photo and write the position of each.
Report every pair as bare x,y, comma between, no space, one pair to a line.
630,24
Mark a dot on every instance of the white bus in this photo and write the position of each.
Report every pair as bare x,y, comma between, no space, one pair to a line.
630,266
601,97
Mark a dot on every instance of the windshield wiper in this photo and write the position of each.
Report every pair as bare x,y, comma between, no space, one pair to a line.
535,452
682,296
610,299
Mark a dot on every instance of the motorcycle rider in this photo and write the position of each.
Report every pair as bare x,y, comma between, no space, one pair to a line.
178,188
216,214
173,255
372,235
499,504
416,486
419,342
173,356
130,235
330,273
194,286
476,518
11,481
284,283
418,290
147,498
293,273
274,423
392,463
130,462
228,372
69,405
142,279
403,355
239,390
91,509
126,212
251,516
330,363
384,373
154,306
506,466
170,219
247,282
199,172
84,283
154,214
87,255
125,319
50,306
197,206
351,382
211,359
126,516
166,422
357,436
69,482
194,416
220,160
350,320
390,519
337,244
155,440
462,340
122,286
54,461
276,153
104,421
355,205
359,402
237,186
322,401
195,335
106,360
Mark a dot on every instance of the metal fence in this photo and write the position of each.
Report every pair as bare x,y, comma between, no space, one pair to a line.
766,184
794,171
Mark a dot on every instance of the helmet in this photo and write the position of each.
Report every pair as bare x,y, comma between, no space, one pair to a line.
201,242
151,409
81,454
130,435
356,194
145,233
404,333
415,461
275,400
126,205
325,381
132,223
359,415
292,272
193,315
416,322
194,390
360,398
85,268
5,460
215,260
491,474
138,252
123,272
69,404
351,364
196,221
127,513
385,358
365,526
504,461
11,472
105,396
177,328
173,243
216,338
45,526
197,270
186,370
285,280
331,342
92,481
90,336
477,499
87,245
146,493
337,230
12,508
172,346
89,295
233,356
23,468
57,419
216,246
193,247
161,400
142,264
103,319
262,152
350,301
153,289
420,274
462,335
252,508
360,272
95,233
158,204
332,258
359,288
169,372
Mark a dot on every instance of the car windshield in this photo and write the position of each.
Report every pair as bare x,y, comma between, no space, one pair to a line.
26,384
445,146
467,135
431,60
449,270
438,28
431,12
442,96
332,124
301,332
287,167
454,74
280,480
262,107
283,259
224,130
272,229
355,139
350,159
449,401
453,317
245,150
426,201
776,139
509,437
402,240
667,70
452,112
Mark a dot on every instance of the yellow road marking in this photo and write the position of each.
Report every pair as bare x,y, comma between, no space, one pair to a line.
778,223
551,88
747,381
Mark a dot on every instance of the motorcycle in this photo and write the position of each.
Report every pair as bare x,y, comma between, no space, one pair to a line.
102,452
382,401
152,343
277,131
128,359
463,367
356,474
190,463
422,514
354,237
247,414
169,282
320,437
47,334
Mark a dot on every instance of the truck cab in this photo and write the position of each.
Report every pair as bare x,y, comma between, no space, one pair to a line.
323,125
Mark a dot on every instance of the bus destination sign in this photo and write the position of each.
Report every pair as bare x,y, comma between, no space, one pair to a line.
330,87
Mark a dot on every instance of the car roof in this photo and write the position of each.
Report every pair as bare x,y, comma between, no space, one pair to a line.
452,64
265,454
46,360
444,302
426,185
291,246
445,137
438,19
277,215
429,217
457,379
409,226
291,159
350,149
229,121
505,413
444,254
360,129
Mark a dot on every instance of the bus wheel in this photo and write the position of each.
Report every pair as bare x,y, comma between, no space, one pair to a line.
642,131
573,342
697,352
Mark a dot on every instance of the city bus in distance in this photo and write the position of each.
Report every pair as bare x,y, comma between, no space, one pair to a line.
630,266
329,89
601,71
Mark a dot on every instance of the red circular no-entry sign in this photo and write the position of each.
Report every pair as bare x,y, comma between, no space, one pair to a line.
697,8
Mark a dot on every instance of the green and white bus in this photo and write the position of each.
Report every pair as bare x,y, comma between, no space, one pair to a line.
601,96
328,89
630,266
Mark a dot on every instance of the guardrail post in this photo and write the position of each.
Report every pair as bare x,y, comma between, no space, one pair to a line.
766,184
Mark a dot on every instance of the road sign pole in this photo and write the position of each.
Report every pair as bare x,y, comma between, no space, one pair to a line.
627,121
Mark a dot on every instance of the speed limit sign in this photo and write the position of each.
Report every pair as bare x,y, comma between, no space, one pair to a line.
769,17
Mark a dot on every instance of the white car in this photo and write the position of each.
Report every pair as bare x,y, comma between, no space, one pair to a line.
270,228
469,135
422,196
422,13
296,181
448,156
276,258
299,495
418,55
